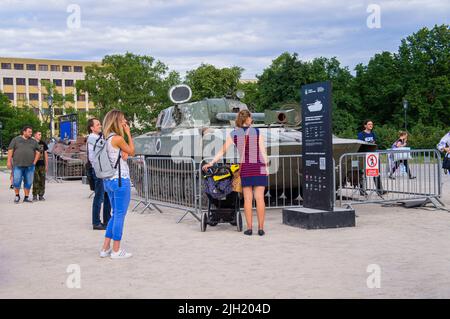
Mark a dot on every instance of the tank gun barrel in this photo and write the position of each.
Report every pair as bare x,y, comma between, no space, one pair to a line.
257,117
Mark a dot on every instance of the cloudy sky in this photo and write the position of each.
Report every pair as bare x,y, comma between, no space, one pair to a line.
186,33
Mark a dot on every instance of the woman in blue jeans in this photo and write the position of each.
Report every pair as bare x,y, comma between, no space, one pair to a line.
115,124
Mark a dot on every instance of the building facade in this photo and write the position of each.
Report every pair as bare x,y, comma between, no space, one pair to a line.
21,81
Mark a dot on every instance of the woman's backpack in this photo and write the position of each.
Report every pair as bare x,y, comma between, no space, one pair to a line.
102,165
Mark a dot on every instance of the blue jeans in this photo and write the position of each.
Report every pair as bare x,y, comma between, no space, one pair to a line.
100,197
120,199
25,173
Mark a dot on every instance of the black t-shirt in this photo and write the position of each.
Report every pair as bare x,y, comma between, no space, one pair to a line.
42,149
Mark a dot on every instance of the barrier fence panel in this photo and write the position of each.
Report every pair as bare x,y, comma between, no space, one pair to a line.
139,181
403,174
172,182
65,168
52,165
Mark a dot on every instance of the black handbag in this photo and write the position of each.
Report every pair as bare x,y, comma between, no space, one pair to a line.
89,176
446,162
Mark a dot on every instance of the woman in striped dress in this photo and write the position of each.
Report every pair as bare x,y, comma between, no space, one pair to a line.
253,167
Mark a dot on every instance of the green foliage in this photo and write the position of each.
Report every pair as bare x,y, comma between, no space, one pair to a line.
419,72
281,82
14,119
386,136
251,91
207,81
137,85
426,136
59,100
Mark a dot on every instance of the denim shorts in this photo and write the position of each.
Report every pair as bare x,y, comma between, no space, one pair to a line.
23,172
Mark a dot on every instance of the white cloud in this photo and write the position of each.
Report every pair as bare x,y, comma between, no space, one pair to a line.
185,33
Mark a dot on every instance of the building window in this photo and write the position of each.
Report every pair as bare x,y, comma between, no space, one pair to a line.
81,98
68,82
10,96
34,97
55,68
8,81
33,82
57,82
31,67
67,68
21,97
43,67
20,81
44,97
58,111
6,66
18,66
77,68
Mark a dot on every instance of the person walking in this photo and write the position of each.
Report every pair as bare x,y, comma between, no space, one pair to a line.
400,142
115,128
444,146
40,169
253,167
367,135
100,196
24,152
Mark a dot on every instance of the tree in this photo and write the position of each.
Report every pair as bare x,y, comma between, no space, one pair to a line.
207,81
281,82
14,119
137,85
251,90
380,89
424,63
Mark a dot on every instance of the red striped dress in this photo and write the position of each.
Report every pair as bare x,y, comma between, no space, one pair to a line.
253,168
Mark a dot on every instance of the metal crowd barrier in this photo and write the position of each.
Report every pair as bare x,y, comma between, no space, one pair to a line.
177,182
165,182
284,188
173,183
64,168
139,181
421,180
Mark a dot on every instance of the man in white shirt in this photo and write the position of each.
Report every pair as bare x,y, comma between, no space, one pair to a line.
444,144
95,130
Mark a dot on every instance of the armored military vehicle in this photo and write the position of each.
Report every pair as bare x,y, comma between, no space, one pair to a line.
198,130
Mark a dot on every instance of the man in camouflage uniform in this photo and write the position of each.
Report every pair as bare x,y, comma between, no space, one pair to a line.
41,169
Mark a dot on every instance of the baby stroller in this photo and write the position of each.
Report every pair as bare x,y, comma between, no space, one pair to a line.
223,202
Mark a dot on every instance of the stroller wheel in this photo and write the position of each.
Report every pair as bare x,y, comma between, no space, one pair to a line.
204,222
239,221
210,223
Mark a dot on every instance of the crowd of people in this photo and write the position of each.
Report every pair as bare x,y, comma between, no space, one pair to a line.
28,161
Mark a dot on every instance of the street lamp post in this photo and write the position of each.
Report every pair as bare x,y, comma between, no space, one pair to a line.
405,107
1,140
50,109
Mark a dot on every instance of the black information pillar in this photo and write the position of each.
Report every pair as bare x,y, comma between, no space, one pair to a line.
317,146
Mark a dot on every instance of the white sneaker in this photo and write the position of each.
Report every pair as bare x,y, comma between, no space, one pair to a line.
121,254
105,253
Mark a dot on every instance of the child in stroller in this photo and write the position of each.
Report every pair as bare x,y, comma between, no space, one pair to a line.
223,202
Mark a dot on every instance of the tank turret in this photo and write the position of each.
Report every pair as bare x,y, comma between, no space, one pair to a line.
215,112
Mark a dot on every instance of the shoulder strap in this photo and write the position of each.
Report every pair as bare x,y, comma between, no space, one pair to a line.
98,139
245,145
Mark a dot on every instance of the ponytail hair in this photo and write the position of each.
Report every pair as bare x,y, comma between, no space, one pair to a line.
241,117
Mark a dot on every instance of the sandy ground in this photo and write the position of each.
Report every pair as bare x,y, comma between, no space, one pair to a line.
40,240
